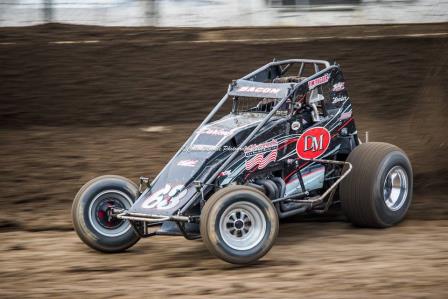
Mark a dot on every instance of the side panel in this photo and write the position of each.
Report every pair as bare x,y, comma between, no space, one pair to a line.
285,147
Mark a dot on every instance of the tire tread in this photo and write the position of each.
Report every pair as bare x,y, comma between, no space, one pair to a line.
358,200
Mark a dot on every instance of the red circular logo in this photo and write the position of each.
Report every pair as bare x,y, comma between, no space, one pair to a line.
313,143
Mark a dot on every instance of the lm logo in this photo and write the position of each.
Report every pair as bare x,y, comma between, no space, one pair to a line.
313,143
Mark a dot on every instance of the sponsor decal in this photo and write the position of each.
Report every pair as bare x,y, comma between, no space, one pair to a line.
187,163
217,132
338,86
346,115
202,148
313,143
253,89
339,99
225,173
318,81
295,126
281,112
165,198
261,161
257,154
260,148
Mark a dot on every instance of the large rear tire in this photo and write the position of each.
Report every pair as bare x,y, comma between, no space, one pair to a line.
239,224
91,213
378,191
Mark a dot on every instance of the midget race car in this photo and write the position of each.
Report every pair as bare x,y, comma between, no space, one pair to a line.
286,144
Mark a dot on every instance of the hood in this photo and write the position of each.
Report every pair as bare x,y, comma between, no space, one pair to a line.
199,158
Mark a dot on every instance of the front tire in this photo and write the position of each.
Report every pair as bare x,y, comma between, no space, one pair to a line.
378,191
239,224
91,213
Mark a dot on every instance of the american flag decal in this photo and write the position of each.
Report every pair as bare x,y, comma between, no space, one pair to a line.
261,161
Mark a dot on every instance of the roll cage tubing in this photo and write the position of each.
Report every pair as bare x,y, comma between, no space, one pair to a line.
212,113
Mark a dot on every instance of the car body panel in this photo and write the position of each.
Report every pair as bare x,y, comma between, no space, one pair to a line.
282,145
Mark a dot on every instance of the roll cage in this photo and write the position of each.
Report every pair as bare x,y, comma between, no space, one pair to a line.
270,71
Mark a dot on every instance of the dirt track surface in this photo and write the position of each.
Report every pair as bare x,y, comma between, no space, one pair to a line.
337,261
70,112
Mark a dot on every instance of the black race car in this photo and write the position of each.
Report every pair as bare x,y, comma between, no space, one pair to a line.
287,146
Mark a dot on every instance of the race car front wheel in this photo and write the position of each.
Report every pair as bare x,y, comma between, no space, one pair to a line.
92,213
239,224
378,191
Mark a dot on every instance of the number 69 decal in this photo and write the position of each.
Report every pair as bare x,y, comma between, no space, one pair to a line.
165,198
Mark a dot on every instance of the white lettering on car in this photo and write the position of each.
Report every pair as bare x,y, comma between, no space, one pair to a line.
338,86
251,89
165,198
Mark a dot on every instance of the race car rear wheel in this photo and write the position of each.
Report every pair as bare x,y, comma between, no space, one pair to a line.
378,191
239,224
92,213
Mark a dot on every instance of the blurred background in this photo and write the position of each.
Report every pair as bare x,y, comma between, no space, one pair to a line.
95,87
216,13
